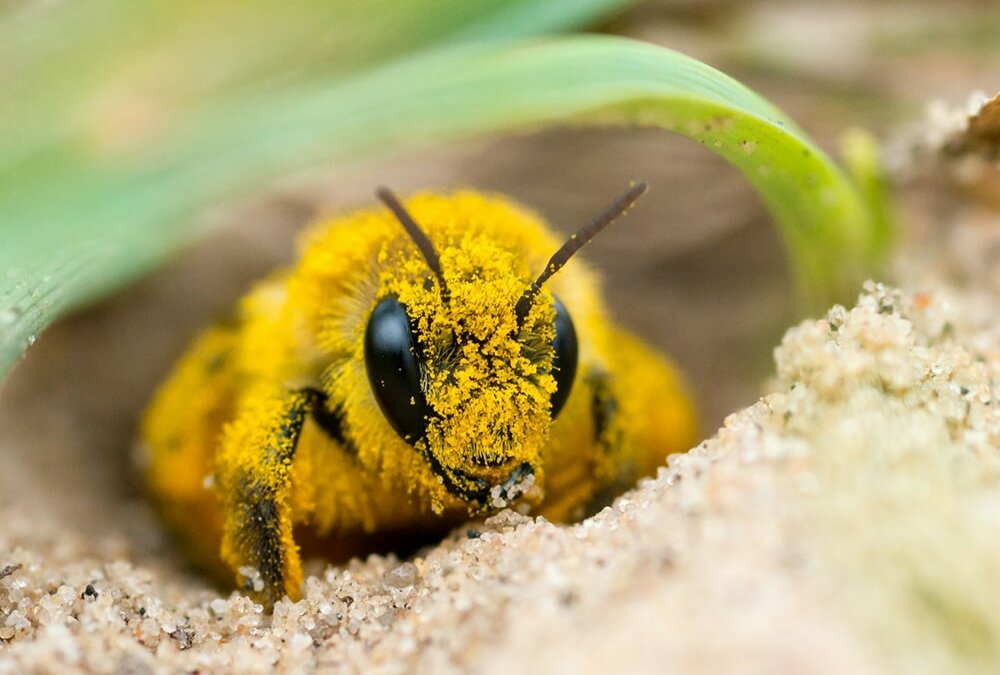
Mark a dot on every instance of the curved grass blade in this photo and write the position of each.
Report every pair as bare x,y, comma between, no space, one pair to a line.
120,214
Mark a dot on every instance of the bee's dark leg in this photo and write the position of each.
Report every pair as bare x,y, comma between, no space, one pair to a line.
603,409
330,420
254,471
609,436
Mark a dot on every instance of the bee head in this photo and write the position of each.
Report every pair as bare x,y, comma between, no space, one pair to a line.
469,362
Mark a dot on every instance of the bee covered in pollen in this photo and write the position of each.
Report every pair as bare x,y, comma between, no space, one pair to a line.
419,364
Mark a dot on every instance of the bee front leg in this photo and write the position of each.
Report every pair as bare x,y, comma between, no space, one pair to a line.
254,467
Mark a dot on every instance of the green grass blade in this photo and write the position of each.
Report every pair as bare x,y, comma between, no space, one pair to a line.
117,214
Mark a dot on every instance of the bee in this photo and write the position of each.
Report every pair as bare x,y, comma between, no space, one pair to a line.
418,365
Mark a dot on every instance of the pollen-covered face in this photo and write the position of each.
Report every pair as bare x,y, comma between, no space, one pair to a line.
456,372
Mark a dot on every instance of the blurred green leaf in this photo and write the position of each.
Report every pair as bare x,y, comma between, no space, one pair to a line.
84,213
117,64
862,157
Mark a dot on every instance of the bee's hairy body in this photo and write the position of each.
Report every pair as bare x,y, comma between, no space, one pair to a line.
270,428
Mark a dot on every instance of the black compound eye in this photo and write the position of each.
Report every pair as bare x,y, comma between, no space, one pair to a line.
564,361
394,370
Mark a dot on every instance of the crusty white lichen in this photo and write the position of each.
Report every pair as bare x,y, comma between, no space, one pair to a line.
902,424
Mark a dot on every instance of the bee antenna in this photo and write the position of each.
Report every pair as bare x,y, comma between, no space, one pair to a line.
417,234
575,242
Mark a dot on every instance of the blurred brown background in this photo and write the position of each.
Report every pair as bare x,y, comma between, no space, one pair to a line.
697,268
